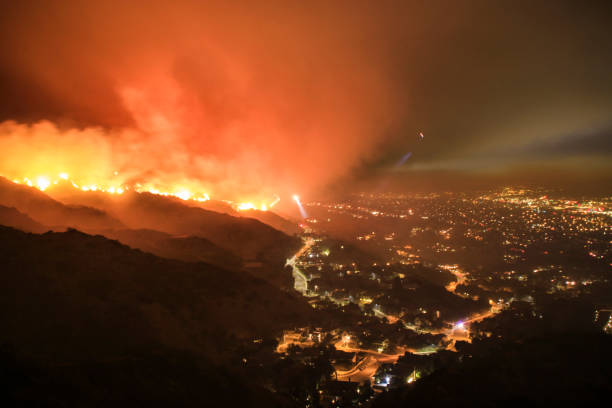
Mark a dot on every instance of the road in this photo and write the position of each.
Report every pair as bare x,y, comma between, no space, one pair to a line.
300,280
390,318
366,367
461,279
355,370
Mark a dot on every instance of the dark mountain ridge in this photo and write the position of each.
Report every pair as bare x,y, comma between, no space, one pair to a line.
246,237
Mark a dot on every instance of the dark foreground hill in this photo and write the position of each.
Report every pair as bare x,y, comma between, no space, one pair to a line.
86,319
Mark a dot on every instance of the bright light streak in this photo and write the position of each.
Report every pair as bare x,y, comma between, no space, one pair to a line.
63,176
403,160
303,213
273,203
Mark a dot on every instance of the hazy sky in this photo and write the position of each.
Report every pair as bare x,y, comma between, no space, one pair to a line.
283,97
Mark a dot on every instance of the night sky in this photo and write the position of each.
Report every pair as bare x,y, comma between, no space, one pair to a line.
288,97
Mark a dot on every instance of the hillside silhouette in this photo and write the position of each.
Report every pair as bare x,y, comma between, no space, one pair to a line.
86,318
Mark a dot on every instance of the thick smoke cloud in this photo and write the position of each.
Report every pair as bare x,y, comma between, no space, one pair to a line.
282,97
243,100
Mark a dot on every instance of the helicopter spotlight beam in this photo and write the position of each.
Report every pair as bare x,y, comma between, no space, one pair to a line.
303,213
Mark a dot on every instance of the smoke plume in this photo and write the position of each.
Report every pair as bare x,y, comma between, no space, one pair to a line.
230,99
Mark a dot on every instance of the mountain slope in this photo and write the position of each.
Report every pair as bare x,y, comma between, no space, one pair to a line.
45,210
272,219
189,249
193,234
11,217
91,294
248,238
88,321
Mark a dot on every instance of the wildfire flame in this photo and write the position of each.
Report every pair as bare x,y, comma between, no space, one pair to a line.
44,182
